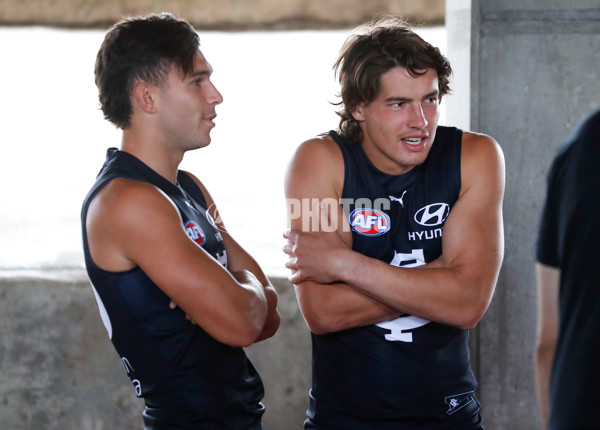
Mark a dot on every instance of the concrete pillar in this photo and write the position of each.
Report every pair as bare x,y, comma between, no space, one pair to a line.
533,76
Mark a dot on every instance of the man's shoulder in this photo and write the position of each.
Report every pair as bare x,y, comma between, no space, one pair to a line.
316,164
477,145
129,187
471,137
318,150
482,162
124,195
322,142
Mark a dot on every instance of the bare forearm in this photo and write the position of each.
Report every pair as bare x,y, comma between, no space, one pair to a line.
242,262
335,307
273,319
543,366
252,303
548,281
434,292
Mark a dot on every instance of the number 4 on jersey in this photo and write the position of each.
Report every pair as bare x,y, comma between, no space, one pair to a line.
400,327
414,259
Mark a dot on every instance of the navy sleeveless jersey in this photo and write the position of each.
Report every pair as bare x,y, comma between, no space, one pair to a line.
406,373
188,379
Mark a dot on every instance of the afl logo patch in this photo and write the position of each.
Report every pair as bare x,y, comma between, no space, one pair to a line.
433,214
369,222
195,233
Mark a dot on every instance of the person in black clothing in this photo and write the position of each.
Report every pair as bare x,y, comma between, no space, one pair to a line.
407,243
179,297
568,278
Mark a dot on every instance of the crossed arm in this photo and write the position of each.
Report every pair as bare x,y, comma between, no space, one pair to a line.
316,173
235,306
242,265
455,289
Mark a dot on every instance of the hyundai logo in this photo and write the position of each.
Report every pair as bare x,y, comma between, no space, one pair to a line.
433,214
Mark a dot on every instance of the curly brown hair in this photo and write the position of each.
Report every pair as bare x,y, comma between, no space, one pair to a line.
372,50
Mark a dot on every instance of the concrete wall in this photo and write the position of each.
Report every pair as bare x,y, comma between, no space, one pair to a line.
529,75
224,14
57,367
59,371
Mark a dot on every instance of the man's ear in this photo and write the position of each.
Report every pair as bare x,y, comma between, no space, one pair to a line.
358,112
145,97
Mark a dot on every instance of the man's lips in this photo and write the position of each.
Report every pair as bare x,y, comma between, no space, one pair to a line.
414,140
210,118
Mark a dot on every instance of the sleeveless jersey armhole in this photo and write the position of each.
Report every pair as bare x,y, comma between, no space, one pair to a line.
191,187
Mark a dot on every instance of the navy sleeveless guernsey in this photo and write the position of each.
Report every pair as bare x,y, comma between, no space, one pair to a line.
407,373
188,379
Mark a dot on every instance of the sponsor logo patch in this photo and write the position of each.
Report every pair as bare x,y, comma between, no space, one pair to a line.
369,222
195,233
458,401
433,214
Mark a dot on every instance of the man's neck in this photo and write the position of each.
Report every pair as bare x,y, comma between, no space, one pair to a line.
153,153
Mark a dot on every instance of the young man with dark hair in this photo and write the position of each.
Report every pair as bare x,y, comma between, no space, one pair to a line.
177,294
407,247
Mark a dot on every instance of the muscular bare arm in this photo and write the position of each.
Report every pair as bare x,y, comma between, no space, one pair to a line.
456,289
316,173
547,335
240,262
133,224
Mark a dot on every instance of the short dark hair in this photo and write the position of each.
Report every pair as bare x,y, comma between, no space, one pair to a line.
141,48
372,50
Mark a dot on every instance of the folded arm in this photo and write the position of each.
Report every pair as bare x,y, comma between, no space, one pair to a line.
455,289
231,309
316,173
240,263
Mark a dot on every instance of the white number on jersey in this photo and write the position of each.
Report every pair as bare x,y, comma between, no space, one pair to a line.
400,326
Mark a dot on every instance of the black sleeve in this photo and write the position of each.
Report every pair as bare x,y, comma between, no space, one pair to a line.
547,240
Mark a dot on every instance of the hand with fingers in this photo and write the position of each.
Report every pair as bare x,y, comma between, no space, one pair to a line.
313,254
173,305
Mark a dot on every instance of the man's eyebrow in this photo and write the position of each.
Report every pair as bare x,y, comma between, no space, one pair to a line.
434,93
197,73
399,99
